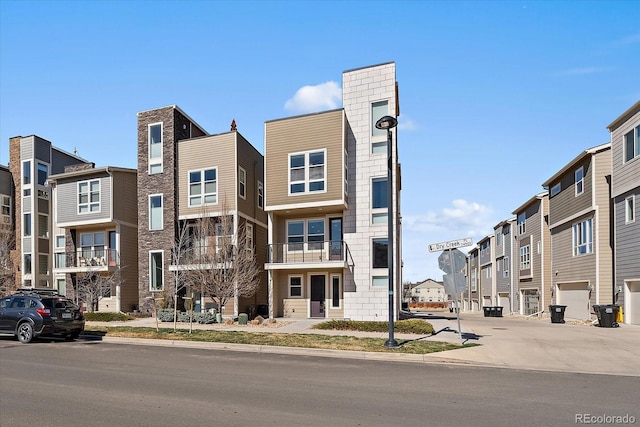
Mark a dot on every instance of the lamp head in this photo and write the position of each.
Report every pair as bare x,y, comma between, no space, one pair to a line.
386,122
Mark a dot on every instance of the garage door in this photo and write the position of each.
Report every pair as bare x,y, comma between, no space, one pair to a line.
576,297
632,303
504,302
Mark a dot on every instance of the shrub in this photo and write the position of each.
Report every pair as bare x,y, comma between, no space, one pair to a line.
98,316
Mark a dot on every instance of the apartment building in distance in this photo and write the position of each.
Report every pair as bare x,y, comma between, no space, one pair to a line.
31,160
326,200
580,227
504,278
625,194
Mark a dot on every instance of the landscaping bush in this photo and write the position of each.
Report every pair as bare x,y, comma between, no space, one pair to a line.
166,315
413,326
98,316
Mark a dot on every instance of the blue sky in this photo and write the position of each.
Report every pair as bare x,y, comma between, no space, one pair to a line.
495,97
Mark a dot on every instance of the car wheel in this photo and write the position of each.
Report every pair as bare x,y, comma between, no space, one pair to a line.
25,332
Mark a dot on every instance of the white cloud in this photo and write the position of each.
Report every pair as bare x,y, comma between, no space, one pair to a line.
324,96
406,123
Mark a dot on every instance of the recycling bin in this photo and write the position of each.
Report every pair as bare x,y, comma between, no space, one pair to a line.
557,313
497,312
607,314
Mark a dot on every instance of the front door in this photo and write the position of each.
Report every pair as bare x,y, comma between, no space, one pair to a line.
317,295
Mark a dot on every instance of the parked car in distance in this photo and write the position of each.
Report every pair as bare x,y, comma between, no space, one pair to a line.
34,312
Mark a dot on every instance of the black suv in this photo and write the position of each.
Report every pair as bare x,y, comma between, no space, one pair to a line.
34,312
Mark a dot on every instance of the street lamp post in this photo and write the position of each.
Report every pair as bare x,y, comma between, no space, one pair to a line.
388,123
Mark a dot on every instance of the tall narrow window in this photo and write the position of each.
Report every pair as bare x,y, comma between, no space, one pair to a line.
629,208
579,175
155,212
379,203
583,237
295,235
505,267
260,195
249,236
43,173
26,173
5,209
27,264
315,234
26,225
242,183
43,264
335,291
89,196
43,226
380,253
379,140
155,148
155,271
522,221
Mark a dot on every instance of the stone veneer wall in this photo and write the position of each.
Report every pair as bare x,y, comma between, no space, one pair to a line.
360,88
15,166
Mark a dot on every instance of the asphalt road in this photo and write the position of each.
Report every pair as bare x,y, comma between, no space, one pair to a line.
99,384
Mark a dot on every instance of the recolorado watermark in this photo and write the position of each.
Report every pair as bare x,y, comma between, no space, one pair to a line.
604,419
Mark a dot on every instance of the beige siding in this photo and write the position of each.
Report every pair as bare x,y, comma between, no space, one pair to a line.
216,151
566,203
603,243
125,200
295,307
566,267
253,164
129,267
301,134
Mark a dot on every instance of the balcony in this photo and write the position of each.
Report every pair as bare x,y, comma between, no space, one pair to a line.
87,259
325,254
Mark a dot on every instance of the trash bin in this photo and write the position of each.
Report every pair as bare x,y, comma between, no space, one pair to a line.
263,310
607,315
487,311
242,318
557,313
497,312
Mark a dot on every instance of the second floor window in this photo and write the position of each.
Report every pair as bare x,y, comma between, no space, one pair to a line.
43,173
307,172
632,144
203,187
629,209
379,203
583,237
579,181
5,209
522,220
242,183
380,253
155,212
525,257
26,173
89,196
260,195
155,148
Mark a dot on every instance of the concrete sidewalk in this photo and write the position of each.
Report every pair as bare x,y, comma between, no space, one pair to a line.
506,342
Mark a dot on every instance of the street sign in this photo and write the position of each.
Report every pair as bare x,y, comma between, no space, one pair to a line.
451,244
454,283
452,261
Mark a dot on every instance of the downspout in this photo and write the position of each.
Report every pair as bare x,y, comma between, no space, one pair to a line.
543,271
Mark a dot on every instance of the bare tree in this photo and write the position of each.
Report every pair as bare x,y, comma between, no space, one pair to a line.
222,262
7,246
93,285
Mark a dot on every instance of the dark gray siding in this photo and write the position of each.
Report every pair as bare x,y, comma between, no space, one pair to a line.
627,243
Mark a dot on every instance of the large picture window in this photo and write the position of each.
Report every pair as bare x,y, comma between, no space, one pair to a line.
155,212
89,196
307,172
155,148
583,237
203,187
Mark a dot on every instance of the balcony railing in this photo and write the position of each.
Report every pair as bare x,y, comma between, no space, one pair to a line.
309,252
87,258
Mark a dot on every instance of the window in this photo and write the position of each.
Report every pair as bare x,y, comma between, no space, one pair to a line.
60,241
484,248
315,234
380,281
26,173
27,264
335,291
26,229
632,144
525,257
629,209
556,189
242,183
579,175
505,267
378,110
5,208
488,272
89,196
499,238
43,263
307,172
260,195
380,253
583,237
522,220
249,236
295,235
155,148
295,286
43,173
155,212
474,286
379,205
346,173
539,247
43,226
155,271
92,248
203,187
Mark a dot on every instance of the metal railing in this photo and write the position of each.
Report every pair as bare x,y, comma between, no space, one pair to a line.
308,252
87,258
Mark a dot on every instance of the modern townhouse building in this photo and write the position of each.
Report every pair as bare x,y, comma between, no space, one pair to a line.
625,193
472,295
32,160
7,231
221,177
504,258
95,234
580,227
532,253
486,279
326,199
185,174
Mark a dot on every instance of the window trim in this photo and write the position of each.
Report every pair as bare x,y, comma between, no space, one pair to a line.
151,196
522,223
579,182
556,189
27,225
525,257
305,245
151,160
290,286
260,195
307,181
630,209
577,233
88,203
331,290
45,168
27,180
203,195
378,136
242,183
380,215
43,219
635,133
151,253
373,253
